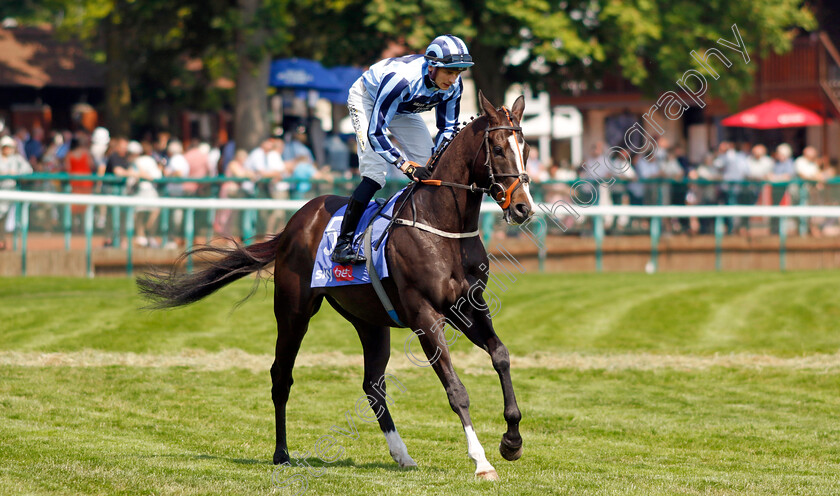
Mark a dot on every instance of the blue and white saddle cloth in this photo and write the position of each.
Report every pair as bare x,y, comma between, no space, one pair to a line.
326,274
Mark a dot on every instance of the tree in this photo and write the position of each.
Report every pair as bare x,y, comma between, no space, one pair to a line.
253,29
142,45
647,41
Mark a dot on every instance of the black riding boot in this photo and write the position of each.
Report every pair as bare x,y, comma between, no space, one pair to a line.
344,252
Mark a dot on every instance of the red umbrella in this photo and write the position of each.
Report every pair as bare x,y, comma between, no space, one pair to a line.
774,114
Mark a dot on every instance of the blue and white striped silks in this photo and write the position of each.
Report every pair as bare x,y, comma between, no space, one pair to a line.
402,86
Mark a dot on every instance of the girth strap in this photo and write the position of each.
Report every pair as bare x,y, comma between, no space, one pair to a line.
427,228
374,278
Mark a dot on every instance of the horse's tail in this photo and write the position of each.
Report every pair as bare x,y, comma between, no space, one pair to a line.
225,265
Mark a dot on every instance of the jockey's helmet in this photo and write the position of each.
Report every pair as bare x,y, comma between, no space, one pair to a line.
448,51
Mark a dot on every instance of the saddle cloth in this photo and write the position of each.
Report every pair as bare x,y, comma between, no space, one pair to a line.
327,274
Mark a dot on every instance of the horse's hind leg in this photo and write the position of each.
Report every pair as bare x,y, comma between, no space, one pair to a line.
292,312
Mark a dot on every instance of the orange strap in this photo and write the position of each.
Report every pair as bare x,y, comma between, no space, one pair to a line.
508,194
509,191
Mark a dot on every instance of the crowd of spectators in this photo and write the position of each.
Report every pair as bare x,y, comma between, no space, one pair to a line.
742,174
284,166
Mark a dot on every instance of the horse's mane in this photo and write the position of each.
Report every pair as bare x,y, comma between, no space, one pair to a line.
441,150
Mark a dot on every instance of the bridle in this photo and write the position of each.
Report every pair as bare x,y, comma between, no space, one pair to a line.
495,189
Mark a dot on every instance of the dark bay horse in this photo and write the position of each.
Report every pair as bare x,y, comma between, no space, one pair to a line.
429,273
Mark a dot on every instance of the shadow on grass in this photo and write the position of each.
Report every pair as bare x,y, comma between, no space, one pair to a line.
241,461
314,462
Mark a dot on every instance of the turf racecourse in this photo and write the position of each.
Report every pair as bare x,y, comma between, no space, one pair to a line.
628,384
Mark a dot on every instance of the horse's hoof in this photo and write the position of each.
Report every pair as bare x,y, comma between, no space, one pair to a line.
509,452
281,456
408,463
490,475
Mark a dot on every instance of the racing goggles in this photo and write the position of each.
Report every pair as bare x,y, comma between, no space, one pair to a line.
455,60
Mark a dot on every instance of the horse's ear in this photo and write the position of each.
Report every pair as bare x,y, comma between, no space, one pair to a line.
488,107
518,108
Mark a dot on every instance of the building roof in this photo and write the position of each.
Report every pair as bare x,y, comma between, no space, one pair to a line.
35,57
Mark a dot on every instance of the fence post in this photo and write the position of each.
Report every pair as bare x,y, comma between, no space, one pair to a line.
189,234
782,244
129,234
68,218
655,229
249,222
24,235
15,213
803,201
116,213
719,228
599,242
89,240
487,221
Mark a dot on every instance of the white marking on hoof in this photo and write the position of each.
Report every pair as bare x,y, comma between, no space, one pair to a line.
398,451
490,475
483,469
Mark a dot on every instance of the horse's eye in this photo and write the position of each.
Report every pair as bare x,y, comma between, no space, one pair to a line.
498,150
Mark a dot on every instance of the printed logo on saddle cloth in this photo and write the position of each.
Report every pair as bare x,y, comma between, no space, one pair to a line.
327,274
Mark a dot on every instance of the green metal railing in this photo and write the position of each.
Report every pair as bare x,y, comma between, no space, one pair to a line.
249,218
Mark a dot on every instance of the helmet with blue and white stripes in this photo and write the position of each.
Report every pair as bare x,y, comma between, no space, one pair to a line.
448,51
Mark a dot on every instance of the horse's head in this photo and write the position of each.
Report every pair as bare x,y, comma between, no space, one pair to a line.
505,151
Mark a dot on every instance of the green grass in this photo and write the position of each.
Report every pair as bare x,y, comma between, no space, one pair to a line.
741,429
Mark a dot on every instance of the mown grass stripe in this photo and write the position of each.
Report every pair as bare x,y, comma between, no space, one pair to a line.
475,362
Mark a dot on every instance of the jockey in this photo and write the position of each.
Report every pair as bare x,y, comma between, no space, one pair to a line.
386,98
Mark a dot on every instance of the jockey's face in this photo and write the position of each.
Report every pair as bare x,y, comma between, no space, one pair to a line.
444,78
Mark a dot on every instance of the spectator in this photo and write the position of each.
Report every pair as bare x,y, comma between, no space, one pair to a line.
557,188
176,167
298,158
231,189
115,165
50,163
79,162
534,167
214,161
21,136
159,150
646,169
783,169
759,165
266,161
701,193
100,140
733,169
807,166
783,172
34,146
144,169
227,153
117,161
338,156
197,158
669,170
11,163
808,169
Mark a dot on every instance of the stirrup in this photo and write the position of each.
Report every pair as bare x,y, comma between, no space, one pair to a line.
343,253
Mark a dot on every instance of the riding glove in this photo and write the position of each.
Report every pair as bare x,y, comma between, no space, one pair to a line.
415,171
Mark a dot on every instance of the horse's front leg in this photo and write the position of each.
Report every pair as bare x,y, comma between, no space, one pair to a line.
429,329
475,322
